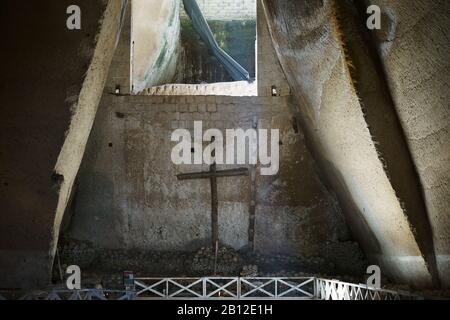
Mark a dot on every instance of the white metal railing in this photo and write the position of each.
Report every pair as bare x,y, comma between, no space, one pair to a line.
302,288
227,288
277,288
337,290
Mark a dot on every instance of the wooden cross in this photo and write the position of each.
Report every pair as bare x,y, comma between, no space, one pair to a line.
212,175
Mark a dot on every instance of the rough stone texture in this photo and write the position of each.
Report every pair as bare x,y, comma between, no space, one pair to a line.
129,196
307,38
127,189
415,50
155,42
51,79
107,265
225,9
269,72
119,74
384,125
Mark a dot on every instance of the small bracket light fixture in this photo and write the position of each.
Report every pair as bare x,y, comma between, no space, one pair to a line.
274,91
117,91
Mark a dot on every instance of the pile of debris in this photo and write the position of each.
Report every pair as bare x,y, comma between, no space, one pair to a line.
249,271
106,265
227,261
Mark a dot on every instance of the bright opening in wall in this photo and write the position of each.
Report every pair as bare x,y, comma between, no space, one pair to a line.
173,54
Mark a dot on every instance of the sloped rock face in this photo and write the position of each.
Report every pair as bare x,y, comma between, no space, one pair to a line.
353,146
415,51
51,82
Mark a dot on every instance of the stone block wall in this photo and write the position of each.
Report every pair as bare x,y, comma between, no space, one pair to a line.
129,196
225,9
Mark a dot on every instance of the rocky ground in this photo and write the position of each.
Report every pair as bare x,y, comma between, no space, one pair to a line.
105,267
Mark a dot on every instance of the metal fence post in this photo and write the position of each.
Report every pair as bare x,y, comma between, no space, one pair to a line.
204,283
276,288
167,288
316,289
239,284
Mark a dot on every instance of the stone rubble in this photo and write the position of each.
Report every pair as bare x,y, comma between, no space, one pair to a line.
106,266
